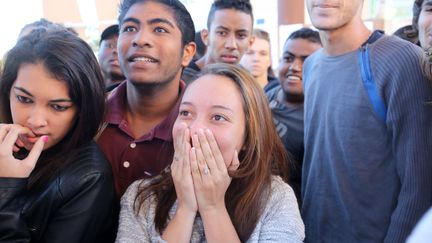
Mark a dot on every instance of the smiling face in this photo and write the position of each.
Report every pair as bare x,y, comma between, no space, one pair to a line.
291,66
228,37
425,24
330,15
150,45
41,103
214,102
257,58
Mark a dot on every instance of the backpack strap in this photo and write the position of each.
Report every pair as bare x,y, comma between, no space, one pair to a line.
368,79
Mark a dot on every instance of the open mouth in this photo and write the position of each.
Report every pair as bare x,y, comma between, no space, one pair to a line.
142,59
293,77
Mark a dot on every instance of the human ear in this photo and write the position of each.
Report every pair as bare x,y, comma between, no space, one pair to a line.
251,41
204,36
188,53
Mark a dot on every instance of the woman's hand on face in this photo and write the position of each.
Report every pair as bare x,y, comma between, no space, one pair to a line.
209,171
181,171
11,167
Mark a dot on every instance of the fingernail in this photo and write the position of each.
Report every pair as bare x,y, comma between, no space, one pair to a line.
45,138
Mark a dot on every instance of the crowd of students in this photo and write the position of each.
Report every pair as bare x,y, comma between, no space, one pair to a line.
151,143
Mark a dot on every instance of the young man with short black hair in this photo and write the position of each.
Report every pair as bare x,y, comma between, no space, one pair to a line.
287,97
155,44
227,37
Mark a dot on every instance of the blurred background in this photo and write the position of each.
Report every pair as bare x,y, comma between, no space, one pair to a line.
90,17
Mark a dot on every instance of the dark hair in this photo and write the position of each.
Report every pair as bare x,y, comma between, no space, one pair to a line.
201,48
44,24
263,156
41,23
181,15
306,33
239,5
69,59
417,7
407,33
412,34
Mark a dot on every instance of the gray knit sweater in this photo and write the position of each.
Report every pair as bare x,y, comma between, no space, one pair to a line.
280,221
366,180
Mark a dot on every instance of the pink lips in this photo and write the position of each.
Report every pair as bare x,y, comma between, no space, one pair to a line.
325,4
33,139
114,63
229,58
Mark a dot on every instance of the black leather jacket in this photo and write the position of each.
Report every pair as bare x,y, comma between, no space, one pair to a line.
77,206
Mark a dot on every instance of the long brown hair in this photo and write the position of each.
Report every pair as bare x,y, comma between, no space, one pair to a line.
263,156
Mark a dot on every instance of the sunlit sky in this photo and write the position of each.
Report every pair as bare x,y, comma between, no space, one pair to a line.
14,14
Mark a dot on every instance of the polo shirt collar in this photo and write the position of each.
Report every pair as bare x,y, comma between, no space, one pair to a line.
116,112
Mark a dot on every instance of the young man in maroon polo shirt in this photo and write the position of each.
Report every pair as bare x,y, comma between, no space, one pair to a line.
154,45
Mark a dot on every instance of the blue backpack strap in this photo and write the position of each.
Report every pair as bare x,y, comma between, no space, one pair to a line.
369,81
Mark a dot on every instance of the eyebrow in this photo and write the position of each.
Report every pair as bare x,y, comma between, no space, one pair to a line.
130,19
292,54
151,21
24,91
160,20
227,29
52,101
214,106
428,3
221,27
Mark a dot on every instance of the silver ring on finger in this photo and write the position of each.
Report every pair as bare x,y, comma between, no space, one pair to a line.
206,169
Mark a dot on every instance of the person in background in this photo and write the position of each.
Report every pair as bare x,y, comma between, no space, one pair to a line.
55,183
257,59
108,58
227,37
286,99
407,33
422,22
43,24
200,46
155,44
367,161
422,25
224,184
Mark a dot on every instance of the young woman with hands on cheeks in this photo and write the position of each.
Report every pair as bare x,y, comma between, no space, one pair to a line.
55,183
224,183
